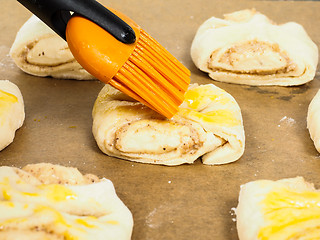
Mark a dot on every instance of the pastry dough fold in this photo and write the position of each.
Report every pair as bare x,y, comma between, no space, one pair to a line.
39,51
12,113
31,209
247,48
313,120
208,124
284,209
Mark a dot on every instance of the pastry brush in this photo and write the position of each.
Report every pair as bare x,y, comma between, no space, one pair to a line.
115,50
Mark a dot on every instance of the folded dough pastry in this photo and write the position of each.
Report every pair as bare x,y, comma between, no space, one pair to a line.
81,207
208,124
11,112
313,120
278,210
247,48
39,51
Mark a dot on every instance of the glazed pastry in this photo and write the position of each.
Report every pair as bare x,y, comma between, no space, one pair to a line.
39,51
278,210
208,125
313,120
11,112
248,48
80,207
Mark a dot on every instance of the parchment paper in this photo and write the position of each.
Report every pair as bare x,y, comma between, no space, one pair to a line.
183,202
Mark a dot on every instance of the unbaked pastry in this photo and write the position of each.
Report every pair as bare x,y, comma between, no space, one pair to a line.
278,210
39,51
33,207
313,120
248,48
208,124
11,112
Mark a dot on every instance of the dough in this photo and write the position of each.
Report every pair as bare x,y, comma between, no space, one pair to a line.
33,207
248,48
11,112
278,210
48,173
208,124
313,120
39,51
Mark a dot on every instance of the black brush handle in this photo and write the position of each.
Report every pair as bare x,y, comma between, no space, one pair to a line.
56,14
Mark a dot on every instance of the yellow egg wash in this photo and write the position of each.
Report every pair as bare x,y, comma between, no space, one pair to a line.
51,215
13,221
7,204
57,193
68,223
30,194
19,181
85,222
200,95
69,226
56,216
5,182
291,215
6,194
58,220
68,236
221,117
199,98
6,100
113,222
53,192
5,188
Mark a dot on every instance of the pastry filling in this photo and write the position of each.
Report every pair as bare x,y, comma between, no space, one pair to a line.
253,58
291,215
155,137
38,53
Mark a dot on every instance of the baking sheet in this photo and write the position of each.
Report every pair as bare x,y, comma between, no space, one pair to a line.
183,202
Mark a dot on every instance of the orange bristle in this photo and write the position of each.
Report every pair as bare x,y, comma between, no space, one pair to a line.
153,76
144,70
